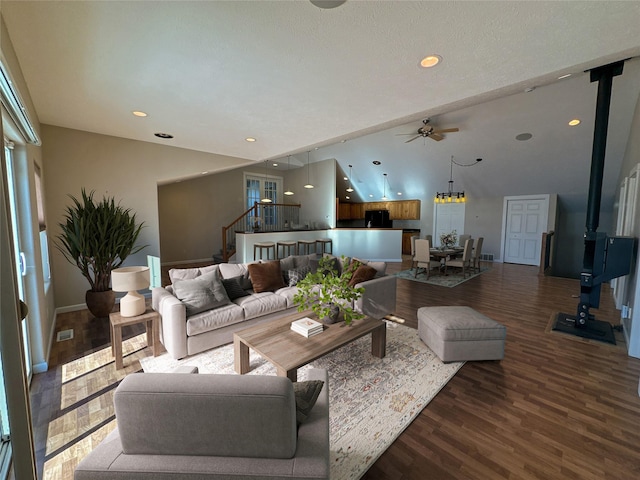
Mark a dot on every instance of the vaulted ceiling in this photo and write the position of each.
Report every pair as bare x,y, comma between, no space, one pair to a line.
343,83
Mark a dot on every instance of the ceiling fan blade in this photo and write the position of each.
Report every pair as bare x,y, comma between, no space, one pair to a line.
435,136
412,139
405,134
447,130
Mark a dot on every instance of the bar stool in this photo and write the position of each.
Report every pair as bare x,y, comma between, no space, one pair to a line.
304,246
288,244
323,244
264,246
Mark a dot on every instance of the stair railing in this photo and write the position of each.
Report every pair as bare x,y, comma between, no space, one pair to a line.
262,217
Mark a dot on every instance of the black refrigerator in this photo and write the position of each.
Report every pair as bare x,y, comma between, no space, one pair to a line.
377,219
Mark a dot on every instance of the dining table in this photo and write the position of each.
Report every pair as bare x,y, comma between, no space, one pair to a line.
444,254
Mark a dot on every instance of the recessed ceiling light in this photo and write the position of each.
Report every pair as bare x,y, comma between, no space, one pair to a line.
523,136
250,139
564,76
574,122
399,193
163,135
138,113
275,164
203,173
348,197
345,178
377,162
529,89
430,61
371,195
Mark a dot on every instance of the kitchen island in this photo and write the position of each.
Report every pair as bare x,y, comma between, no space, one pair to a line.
379,244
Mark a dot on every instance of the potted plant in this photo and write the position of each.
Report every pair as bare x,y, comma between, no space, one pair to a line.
97,237
328,294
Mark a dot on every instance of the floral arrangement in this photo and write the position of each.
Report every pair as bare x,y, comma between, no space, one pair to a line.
449,239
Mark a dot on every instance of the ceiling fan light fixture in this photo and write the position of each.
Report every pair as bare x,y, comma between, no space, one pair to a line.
574,122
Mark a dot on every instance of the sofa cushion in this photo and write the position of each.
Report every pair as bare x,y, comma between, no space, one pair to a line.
306,394
233,287
189,273
297,274
230,270
266,277
260,304
201,293
362,274
206,415
213,319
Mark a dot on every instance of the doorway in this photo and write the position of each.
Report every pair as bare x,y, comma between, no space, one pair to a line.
524,221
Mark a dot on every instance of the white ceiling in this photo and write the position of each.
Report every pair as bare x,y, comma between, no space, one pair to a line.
297,77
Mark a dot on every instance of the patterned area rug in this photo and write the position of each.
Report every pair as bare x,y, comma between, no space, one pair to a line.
450,280
371,400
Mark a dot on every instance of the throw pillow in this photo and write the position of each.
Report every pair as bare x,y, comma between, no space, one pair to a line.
204,292
297,274
233,287
266,277
306,394
362,274
189,273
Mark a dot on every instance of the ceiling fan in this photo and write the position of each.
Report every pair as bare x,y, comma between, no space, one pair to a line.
429,131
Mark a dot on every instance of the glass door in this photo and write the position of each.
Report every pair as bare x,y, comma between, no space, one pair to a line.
21,267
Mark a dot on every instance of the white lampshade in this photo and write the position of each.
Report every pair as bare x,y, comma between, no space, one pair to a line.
130,279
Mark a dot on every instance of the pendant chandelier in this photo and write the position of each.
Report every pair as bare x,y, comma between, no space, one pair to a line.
265,198
450,196
308,185
288,191
384,186
350,188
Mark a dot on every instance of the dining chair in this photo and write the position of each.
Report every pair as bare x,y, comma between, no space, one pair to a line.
423,257
413,250
463,262
475,256
463,238
430,238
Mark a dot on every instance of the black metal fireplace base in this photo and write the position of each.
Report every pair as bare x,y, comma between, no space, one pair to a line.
593,329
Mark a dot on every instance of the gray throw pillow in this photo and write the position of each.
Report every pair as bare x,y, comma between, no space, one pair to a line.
204,292
306,394
297,274
233,287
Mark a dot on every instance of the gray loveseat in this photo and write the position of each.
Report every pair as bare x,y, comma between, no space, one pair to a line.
185,332
173,426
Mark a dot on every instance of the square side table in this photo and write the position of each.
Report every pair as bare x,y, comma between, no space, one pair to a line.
150,317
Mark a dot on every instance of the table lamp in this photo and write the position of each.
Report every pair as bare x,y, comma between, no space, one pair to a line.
130,279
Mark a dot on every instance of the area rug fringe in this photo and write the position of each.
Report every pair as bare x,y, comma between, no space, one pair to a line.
371,400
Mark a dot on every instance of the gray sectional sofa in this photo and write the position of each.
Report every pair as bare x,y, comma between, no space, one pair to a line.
173,426
201,308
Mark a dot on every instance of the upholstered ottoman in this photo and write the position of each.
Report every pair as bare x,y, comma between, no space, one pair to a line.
458,334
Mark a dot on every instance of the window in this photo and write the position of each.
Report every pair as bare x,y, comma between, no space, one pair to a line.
257,188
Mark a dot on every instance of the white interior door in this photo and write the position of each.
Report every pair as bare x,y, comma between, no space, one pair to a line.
447,218
526,221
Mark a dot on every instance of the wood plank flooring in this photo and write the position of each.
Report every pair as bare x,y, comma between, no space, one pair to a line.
557,407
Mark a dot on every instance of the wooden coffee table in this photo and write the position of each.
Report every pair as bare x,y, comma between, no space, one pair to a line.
288,350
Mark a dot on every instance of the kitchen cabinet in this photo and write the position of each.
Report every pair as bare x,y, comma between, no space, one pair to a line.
344,211
357,211
406,241
404,210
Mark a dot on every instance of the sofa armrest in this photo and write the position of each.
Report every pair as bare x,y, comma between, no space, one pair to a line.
379,297
173,321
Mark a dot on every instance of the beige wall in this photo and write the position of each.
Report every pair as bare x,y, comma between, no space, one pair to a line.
193,212
128,170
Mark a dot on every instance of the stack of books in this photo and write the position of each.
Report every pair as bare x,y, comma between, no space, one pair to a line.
307,327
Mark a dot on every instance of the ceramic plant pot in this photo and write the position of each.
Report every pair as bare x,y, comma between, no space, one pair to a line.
100,304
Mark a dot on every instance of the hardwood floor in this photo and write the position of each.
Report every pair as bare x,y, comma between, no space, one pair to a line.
556,407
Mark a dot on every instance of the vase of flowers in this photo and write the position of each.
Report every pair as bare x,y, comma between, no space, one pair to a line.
448,240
